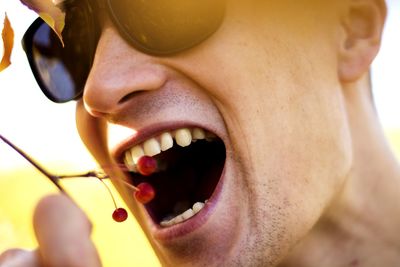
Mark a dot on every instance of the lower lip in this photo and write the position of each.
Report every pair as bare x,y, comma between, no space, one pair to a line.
184,228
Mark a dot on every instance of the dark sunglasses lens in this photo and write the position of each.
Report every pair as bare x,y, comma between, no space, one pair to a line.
53,65
164,27
62,71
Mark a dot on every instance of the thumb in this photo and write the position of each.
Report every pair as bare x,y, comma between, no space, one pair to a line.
63,233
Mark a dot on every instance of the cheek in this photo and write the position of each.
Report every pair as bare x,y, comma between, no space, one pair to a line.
301,155
289,127
93,134
298,154
283,108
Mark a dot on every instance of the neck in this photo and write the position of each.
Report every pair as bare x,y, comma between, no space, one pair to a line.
360,227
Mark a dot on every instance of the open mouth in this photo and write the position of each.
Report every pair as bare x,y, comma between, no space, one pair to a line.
190,162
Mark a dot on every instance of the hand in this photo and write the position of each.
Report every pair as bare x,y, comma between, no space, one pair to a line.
63,233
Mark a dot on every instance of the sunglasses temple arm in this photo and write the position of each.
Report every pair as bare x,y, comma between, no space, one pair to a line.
52,178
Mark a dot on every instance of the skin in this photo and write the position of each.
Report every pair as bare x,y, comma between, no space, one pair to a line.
309,181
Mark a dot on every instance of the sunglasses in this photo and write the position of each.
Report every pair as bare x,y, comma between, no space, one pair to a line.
154,27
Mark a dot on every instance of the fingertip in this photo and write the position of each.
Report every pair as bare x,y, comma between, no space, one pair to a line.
63,232
59,209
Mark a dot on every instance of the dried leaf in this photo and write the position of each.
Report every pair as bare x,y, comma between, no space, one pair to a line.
8,42
50,13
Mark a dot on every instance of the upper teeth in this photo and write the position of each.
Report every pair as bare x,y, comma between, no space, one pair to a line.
153,146
183,137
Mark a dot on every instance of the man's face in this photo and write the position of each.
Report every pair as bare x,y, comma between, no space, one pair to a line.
265,84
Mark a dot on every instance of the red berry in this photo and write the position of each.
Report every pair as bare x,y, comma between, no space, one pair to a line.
146,165
145,194
120,215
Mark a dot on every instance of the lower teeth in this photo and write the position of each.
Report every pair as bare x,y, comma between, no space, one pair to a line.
168,221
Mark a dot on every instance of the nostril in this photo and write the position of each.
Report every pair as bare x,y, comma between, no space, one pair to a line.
130,96
107,91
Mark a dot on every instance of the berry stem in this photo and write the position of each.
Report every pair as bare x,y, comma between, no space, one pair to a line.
98,176
134,188
109,191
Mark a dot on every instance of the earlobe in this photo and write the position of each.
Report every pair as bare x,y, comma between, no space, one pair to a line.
362,25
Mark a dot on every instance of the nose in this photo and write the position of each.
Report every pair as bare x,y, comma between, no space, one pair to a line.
119,73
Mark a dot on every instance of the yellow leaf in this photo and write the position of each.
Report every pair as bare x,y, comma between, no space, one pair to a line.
57,26
8,42
50,13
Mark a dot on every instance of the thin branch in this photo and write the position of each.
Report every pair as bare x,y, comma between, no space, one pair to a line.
52,178
55,178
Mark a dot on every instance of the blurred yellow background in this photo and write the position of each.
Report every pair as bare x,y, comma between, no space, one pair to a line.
119,244
47,131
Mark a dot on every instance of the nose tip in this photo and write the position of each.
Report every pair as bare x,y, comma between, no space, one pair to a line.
105,92
119,73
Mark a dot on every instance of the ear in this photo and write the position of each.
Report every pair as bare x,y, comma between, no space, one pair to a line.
362,23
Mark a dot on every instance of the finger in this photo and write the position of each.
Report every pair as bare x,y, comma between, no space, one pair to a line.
19,258
63,233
